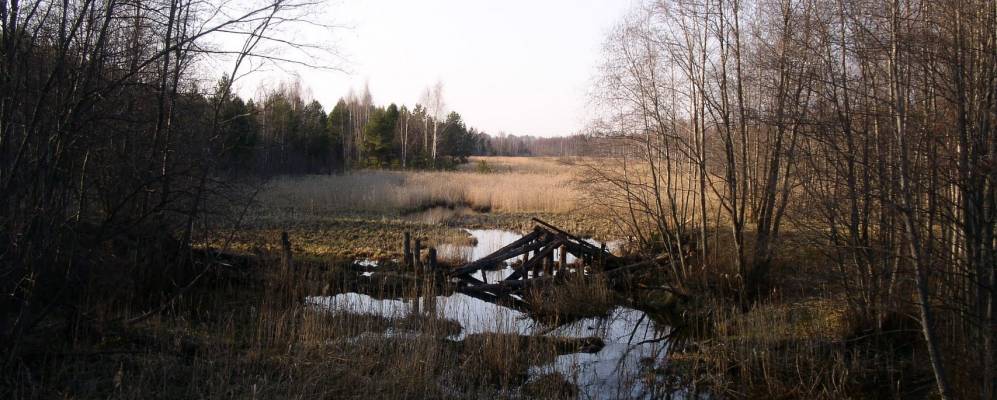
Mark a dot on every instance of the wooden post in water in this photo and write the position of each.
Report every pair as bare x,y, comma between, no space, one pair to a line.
562,265
286,262
414,296
537,265
417,254
429,295
525,274
417,266
550,264
407,250
432,259
602,257
429,283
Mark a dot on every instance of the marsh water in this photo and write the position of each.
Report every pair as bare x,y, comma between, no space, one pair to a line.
624,367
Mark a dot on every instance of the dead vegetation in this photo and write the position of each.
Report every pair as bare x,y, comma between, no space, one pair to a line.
251,321
516,185
247,332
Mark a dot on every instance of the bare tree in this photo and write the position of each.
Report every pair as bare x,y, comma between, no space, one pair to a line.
437,110
105,137
866,125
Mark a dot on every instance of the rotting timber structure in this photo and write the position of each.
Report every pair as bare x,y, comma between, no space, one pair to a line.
537,251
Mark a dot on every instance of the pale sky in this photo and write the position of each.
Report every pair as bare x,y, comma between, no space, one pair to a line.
514,66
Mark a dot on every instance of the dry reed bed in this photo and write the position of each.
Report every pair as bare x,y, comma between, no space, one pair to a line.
228,339
401,191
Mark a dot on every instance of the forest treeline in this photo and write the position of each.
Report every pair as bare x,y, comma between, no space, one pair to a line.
116,156
282,132
114,159
558,146
864,129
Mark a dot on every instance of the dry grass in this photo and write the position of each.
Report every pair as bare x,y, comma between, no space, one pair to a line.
248,334
363,214
799,341
514,185
579,296
342,236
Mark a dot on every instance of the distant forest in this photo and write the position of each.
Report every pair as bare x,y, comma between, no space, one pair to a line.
512,145
282,132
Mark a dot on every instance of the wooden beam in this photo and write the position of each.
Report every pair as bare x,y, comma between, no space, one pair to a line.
537,258
498,256
407,250
509,286
502,300
580,241
562,263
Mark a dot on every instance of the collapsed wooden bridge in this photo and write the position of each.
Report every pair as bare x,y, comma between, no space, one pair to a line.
537,251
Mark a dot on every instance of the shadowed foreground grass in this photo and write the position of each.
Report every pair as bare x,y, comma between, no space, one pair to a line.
247,332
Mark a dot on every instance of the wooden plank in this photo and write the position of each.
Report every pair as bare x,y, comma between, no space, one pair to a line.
503,300
417,254
562,262
467,278
577,239
497,257
407,250
537,258
516,243
509,286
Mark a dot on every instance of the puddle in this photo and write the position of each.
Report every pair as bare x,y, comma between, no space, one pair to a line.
367,265
474,315
488,240
623,368
619,369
